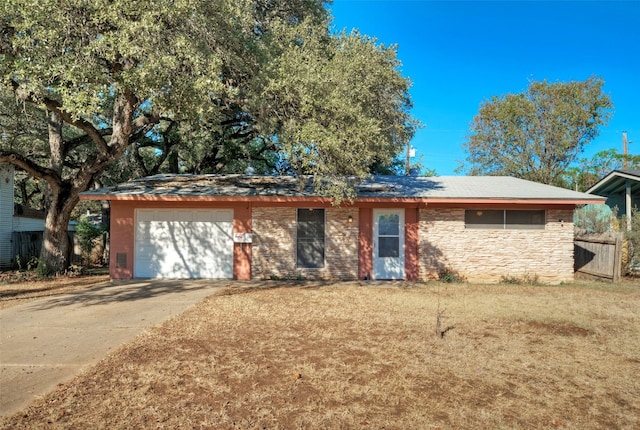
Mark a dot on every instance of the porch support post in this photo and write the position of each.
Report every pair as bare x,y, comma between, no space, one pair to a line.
365,245
411,260
628,204
242,251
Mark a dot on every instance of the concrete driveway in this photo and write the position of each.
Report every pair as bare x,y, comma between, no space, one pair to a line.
48,341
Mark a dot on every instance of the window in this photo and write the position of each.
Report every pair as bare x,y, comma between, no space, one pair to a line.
484,219
310,239
528,220
389,236
505,219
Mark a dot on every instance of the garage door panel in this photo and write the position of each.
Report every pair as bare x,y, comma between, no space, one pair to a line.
184,244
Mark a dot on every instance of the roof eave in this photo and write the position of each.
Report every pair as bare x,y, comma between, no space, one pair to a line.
611,177
320,199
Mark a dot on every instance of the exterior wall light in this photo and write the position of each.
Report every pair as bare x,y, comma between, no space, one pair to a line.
350,219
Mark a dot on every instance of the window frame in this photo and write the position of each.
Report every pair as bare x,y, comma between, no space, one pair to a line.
506,223
300,243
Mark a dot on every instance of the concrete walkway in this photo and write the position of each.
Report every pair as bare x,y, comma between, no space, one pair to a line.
48,341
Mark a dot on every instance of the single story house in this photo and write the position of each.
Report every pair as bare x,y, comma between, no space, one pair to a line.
399,227
621,189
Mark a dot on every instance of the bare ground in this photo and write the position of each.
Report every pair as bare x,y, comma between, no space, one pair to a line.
350,356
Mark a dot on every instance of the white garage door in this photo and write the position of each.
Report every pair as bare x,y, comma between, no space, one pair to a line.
183,244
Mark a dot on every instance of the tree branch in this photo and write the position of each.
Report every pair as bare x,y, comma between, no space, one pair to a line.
55,106
29,166
84,139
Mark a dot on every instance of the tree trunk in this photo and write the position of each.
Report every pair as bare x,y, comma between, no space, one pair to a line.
174,161
64,193
55,254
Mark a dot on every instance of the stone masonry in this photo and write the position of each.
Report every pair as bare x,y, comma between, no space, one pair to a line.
487,255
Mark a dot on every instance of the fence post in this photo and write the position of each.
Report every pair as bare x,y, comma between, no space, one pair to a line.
617,263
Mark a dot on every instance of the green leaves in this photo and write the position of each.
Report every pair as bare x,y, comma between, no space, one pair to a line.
78,53
537,134
263,80
338,103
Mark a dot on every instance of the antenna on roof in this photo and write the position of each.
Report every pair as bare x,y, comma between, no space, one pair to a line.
411,153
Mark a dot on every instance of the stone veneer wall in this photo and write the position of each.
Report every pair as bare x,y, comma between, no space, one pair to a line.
487,255
274,245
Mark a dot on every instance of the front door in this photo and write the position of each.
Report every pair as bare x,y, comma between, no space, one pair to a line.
388,244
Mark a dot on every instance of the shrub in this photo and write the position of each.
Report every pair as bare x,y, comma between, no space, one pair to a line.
593,219
633,241
449,275
87,232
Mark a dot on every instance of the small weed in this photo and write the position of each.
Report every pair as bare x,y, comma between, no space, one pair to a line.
450,275
33,264
525,279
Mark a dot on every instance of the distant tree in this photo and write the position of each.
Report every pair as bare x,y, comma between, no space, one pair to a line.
537,134
589,171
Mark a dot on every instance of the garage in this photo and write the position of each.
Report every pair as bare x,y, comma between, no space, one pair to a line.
184,244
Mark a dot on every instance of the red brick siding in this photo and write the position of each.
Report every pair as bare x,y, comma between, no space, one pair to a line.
274,245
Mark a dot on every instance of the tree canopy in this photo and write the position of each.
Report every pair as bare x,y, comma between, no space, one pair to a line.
190,85
536,134
588,171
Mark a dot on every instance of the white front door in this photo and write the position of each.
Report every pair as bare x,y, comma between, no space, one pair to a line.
388,244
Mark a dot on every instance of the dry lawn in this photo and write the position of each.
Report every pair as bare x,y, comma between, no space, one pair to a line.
17,288
351,356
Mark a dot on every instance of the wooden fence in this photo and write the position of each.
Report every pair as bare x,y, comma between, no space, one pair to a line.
27,244
598,256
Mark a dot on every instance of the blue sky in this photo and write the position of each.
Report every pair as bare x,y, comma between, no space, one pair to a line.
460,53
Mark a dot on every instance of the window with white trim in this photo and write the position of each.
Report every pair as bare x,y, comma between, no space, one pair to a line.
502,219
310,239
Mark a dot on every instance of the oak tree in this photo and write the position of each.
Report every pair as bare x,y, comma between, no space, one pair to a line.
129,89
106,72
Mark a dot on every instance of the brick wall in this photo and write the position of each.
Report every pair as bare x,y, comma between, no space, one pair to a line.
274,245
487,255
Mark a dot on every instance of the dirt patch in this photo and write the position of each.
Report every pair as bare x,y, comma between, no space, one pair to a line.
356,357
559,328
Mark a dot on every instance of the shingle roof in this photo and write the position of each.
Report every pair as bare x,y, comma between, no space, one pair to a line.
472,187
391,187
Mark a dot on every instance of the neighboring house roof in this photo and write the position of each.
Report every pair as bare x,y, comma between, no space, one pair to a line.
433,189
616,182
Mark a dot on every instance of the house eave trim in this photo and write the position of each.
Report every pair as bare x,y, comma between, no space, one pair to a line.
326,200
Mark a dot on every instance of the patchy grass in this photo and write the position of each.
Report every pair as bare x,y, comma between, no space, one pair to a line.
19,287
350,356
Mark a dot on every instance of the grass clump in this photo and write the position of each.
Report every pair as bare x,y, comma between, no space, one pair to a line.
525,279
450,276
